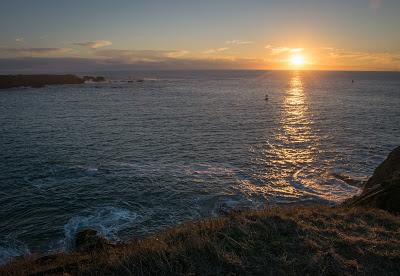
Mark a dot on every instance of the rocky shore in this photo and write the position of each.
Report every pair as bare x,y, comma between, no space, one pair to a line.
360,236
37,81
382,190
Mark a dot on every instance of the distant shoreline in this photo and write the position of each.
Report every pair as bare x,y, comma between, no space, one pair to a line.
38,81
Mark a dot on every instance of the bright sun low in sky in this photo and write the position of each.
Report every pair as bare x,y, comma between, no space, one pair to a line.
297,60
97,35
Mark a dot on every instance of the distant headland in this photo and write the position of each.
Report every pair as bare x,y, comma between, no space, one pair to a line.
37,81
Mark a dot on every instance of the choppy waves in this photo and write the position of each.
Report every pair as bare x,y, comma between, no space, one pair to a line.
10,247
131,158
107,221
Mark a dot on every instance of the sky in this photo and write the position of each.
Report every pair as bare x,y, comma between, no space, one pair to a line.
88,35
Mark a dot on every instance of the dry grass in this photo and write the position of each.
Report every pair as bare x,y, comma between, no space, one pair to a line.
282,241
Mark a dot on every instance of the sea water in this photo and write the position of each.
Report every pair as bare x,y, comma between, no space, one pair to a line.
131,158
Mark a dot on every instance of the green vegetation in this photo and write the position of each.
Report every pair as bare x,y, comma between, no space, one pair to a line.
278,241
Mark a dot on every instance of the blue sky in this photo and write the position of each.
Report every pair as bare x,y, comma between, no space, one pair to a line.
237,33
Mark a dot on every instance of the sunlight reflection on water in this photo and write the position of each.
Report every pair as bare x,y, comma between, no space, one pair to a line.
296,147
290,155
136,158
292,147
297,132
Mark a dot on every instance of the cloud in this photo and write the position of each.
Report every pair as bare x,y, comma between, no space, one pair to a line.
239,42
356,60
215,50
281,50
177,54
295,50
94,44
355,56
131,56
67,60
23,52
77,65
45,65
128,56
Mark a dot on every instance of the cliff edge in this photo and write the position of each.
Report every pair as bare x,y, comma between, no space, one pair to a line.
349,239
382,190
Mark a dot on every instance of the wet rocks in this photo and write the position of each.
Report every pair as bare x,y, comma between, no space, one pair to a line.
93,79
382,190
349,180
89,239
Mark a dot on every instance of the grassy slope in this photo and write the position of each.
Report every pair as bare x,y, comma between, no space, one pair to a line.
285,240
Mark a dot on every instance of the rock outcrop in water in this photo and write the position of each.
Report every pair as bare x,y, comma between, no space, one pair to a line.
88,240
382,190
37,81
93,79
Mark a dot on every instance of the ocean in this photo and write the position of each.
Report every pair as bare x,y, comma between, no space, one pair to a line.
132,158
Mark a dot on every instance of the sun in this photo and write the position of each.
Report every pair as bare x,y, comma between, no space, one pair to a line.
297,60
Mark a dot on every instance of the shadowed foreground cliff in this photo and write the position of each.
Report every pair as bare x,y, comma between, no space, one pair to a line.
316,240
382,190
313,240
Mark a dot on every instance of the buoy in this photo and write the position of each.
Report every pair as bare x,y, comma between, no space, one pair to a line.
266,97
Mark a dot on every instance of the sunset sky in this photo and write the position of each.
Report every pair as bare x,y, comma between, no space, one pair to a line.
43,35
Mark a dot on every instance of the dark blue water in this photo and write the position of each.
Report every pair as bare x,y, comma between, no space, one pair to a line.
129,159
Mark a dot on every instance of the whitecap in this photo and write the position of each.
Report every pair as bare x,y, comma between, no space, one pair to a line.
11,248
92,170
107,221
209,170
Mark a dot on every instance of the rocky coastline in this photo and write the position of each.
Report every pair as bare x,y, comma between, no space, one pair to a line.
359,236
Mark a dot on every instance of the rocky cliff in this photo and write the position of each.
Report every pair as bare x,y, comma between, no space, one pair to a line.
382,190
